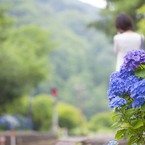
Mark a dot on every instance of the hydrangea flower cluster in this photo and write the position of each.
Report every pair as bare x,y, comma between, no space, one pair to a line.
134,59
126,83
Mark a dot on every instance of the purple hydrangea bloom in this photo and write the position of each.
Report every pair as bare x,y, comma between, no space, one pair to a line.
117,102
133,59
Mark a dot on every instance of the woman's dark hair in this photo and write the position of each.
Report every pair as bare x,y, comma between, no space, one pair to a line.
124,22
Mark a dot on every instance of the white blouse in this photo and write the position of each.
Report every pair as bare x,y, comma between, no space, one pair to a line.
124,42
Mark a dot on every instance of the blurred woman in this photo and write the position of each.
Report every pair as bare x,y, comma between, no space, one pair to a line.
126,38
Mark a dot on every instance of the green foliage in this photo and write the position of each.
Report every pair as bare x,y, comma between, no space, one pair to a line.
5,23
13,107
130,124
69,116
23,61
77,61
24,56
42,108
101,121
140,71
141,25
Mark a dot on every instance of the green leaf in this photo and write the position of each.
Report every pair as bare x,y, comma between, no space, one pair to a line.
143,106
125,125
132,141
116,117
120,134
137,124
140,72
116,125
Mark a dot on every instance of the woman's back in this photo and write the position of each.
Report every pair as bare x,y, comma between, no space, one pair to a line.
125,42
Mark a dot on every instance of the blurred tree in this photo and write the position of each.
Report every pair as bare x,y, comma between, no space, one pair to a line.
141,12
69,116
83,56
14,106
23,62
42,108
5,23
23,58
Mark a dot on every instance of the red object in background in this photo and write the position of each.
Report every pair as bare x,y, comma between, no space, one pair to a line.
54,92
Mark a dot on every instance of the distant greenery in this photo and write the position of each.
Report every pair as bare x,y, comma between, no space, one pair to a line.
24,58
101,122
83,59
140,24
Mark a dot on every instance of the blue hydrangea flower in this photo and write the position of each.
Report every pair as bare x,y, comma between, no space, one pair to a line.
129,82
124,73
138,92
114,75
138,102
125,82
118,83
117,102
133,59
116,88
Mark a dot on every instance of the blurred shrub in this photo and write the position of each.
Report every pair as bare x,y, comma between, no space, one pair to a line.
42,109
18,106
82,130
101,121
69,116
37,108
